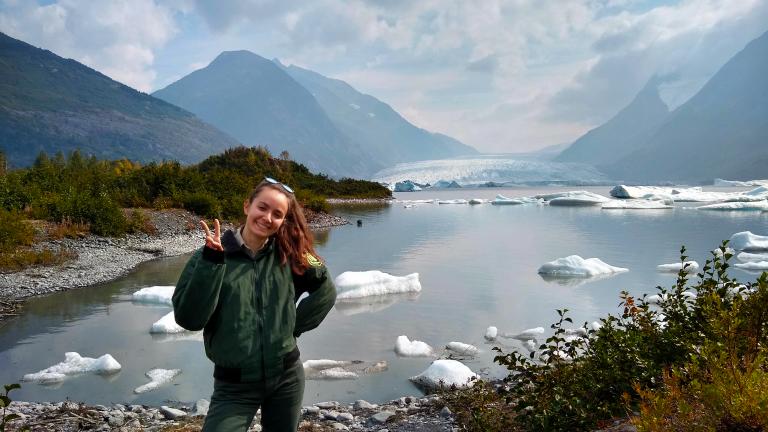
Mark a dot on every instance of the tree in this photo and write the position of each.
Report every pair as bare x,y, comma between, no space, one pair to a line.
284,155
3,164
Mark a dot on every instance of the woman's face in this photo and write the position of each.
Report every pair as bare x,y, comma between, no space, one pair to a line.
265,214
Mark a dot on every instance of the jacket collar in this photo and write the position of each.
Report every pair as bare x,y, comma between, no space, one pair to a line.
232,242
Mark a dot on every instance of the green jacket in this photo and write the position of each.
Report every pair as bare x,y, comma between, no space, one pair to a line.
246,304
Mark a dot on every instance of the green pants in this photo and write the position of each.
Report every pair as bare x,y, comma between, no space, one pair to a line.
233,405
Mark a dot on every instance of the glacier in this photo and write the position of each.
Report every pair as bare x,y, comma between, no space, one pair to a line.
496,170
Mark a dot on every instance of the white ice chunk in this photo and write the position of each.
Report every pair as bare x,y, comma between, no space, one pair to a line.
157,377
577,198
325,369
463,348
446,373
166,325
155,294
530,345
753,265
746,241
737,206
692,194
74,364
453,201
528,334
407,348
656,298
675,267
749,257
373,282
719,253
575,265
491,333
636,205
502,200
735,183
596,325
475,201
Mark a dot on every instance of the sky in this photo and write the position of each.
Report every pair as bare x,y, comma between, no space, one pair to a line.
502,76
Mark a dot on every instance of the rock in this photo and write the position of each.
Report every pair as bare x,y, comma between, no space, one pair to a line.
445,412
171,413
362,404
347,417
382,417
329,415
339,426
327,405
136,408
312,410
201,407
116,418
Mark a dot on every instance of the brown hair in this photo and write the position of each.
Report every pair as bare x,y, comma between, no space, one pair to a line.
294,239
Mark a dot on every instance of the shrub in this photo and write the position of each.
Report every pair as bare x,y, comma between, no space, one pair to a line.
23,258
14,231
202,204
139,222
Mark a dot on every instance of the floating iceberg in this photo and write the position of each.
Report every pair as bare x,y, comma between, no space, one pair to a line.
445,184
155,294
74,364
370,283
157,377
575,265
751,257
166,325
475,201
491,333
719,253
692,266
528,334
408,348
406,186
737,206
502,200
691,194
578,199
453,201
753,265
341,369
746,241
446,373
462,348
642,204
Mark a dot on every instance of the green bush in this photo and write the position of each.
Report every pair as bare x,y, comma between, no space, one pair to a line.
202,204
14,231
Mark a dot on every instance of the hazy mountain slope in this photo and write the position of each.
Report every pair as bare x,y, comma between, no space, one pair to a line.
48,103
722,131
256,102
375,125
622,134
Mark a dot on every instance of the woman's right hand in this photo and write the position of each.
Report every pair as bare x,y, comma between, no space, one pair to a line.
212,241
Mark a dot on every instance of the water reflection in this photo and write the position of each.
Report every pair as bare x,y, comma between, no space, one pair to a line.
370,304
573,281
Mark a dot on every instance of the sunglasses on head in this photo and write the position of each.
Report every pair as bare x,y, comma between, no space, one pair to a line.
284,186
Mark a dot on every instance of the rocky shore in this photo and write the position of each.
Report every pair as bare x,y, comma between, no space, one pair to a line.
406,414
101,259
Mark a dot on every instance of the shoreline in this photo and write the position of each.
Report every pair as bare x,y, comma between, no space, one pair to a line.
103,259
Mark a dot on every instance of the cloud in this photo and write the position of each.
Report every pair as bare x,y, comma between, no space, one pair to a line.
690,40
116,37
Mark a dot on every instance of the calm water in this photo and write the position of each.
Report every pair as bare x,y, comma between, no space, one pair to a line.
477,266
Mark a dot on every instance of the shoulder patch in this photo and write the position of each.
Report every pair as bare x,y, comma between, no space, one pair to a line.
312,260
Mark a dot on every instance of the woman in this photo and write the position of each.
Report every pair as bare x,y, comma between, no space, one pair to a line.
242,288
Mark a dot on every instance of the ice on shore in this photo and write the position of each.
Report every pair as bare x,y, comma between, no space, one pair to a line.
491,333
326,369
405,347
641,204
155,294
446,373
753,265
737,206
528,334
749,257
746,241
157,377
74,364
577,266
166,325
462,348
374,283
692,266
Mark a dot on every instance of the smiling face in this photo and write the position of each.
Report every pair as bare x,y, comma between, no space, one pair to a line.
264,215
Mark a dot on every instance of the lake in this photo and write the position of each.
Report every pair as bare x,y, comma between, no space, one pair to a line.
477,266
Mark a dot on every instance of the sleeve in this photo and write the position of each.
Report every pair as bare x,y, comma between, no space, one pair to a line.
197,291
317,282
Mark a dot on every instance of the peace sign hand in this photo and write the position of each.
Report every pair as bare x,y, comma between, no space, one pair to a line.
213,241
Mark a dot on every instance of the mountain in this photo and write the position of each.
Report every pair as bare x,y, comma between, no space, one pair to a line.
384,133
255,101
722,131
623,134
51,104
